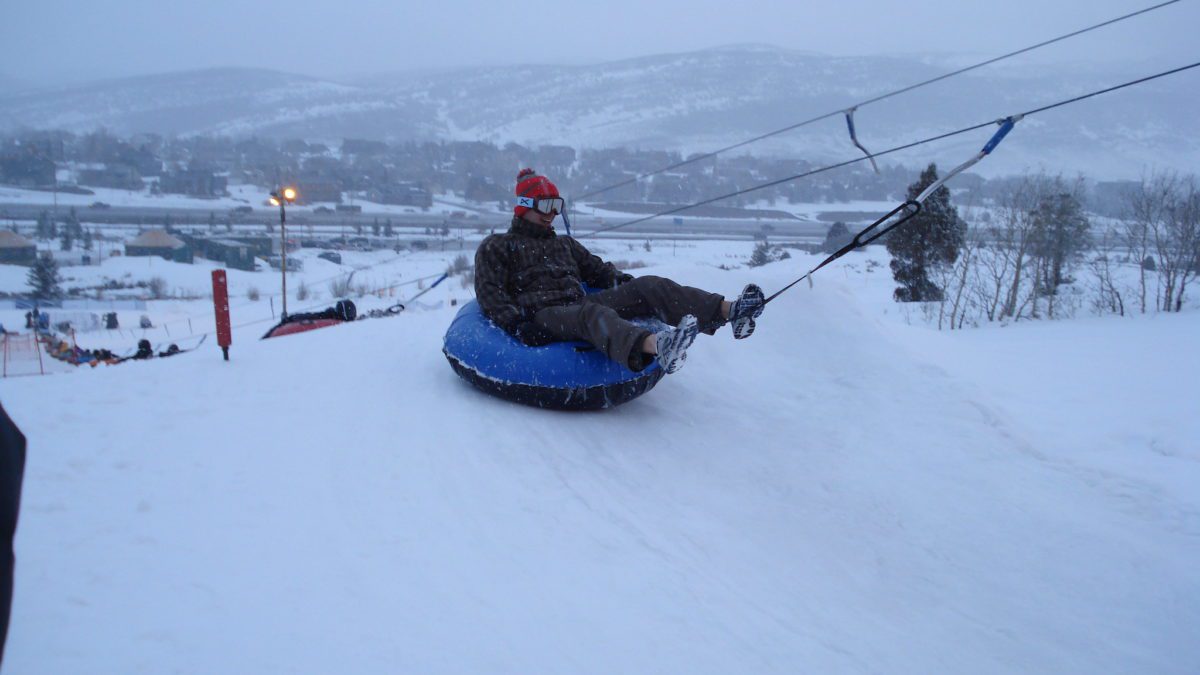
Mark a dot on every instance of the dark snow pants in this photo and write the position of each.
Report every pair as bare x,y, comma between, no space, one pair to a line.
12,474
602,319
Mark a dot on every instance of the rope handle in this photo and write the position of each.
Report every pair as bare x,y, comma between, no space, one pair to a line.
854,138
913,207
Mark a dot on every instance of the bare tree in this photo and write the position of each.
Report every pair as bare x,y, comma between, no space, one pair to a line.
1164,219
1060,235
340,287
1109,296
1145,206
1013,237
1177,243
961,281
157,287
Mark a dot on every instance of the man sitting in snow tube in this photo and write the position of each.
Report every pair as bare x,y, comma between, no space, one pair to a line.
529,281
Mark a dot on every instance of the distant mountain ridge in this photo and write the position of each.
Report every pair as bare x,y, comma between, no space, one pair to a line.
691,102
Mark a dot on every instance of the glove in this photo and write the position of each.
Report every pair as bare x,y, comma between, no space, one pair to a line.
533,335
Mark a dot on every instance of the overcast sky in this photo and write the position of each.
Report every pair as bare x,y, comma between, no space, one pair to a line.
58,41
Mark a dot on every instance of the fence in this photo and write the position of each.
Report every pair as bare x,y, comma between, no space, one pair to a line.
81,304
22,355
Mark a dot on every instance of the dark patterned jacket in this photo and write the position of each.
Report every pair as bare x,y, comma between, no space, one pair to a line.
531,267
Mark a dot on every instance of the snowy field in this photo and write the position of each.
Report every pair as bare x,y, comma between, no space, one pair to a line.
846,491
239,195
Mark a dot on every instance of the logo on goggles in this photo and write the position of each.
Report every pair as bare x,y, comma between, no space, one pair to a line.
550,205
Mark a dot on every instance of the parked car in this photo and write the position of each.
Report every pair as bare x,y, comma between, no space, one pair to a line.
100,205
242,209
322,209
335,258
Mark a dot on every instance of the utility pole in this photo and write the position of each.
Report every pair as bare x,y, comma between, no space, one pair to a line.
282,197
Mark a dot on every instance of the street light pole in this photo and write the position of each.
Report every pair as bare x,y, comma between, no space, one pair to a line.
283,253
282,197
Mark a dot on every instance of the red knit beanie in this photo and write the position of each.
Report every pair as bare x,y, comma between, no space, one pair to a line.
530,184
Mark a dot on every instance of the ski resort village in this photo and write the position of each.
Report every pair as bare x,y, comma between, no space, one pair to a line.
734,359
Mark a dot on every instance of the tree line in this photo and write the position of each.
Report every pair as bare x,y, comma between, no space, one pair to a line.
1034,251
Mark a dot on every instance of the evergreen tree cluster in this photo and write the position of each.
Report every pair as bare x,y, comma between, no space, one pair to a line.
838,236
930,239
43,279
1059,238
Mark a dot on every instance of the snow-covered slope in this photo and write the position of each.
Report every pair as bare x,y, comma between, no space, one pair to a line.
840,493
693,101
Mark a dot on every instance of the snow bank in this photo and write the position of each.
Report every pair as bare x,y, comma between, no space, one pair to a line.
840,493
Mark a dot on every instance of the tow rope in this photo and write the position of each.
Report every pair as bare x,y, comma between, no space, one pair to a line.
909,208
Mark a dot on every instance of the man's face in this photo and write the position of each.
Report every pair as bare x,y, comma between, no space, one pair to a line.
538,218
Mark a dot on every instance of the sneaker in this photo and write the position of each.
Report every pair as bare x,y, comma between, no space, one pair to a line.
747,308
673,343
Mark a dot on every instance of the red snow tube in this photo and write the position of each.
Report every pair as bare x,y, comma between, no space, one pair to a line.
342,312
300,326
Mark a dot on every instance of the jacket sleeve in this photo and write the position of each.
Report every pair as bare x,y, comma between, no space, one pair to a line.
490,288
594,271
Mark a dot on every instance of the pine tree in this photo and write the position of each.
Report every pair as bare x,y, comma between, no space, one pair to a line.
930,239
376,227
43,279
87,240
388,230
43,225
67,241
837,237
72,224
761,255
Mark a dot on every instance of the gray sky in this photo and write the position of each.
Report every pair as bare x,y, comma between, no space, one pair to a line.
52,42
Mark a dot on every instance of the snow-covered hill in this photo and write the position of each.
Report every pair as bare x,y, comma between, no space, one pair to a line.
841,493
692,101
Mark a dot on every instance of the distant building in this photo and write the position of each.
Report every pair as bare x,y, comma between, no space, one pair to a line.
484,189
261,246
401,194
234,252
194,183
159,243
16,250
319,191
119,176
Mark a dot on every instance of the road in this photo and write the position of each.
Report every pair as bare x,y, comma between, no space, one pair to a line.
136,217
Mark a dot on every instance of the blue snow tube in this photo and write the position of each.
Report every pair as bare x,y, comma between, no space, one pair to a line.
561,375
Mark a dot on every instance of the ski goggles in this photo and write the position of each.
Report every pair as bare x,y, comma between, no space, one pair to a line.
547,206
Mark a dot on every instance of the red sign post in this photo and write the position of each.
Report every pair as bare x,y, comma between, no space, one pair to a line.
221,307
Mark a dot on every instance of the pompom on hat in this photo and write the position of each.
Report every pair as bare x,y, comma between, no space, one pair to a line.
530,184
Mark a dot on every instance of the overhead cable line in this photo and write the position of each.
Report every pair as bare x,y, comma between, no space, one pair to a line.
848,111
889,151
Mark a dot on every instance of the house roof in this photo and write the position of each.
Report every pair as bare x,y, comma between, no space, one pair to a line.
13,240
155,239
